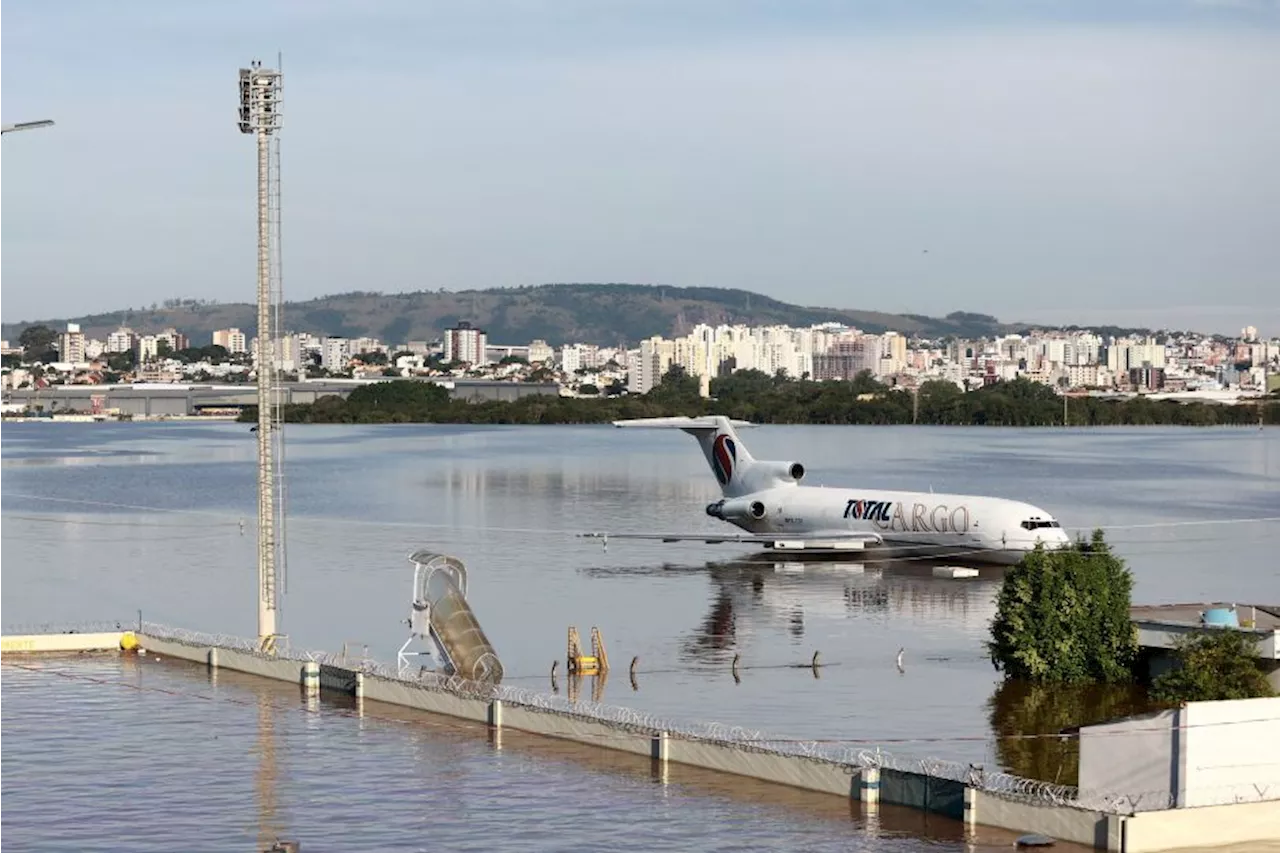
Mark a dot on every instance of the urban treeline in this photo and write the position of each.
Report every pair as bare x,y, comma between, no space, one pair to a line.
755,396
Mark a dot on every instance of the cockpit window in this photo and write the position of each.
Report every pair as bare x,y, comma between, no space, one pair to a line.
1035,524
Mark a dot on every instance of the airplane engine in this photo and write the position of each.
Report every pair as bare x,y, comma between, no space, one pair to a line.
781,472
739,509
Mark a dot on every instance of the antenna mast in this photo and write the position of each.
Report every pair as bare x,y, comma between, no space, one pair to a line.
260,91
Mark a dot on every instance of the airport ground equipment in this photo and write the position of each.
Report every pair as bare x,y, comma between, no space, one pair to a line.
443,624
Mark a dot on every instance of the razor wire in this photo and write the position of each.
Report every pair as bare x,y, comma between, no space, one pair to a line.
852,758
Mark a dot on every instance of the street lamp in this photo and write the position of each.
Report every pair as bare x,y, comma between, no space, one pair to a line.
27,125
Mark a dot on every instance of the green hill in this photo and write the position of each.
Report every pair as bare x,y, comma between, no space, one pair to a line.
606,314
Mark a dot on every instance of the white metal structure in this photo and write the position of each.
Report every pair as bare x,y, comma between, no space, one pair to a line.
441,620
27,125
260,100
766,500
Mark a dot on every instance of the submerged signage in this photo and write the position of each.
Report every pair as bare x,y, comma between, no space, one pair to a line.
921,518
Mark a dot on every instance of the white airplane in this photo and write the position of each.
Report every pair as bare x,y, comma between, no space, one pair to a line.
766,500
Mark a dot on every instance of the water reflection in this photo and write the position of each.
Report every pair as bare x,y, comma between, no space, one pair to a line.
1018,709
756,594
269,824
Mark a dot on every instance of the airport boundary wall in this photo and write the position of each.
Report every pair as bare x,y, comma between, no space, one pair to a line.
951,789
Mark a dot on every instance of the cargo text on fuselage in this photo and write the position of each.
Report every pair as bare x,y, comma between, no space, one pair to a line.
894,517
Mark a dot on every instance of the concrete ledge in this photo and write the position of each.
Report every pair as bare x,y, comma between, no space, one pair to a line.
1066,823
278,669
1144,833
553,724
105,641
810,774
1200,828
425,699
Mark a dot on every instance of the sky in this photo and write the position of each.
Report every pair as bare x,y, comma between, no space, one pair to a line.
1052,161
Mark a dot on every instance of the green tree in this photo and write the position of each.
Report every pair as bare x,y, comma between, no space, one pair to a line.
1063,616
122,362
404,395
1211,665
677,388
37,340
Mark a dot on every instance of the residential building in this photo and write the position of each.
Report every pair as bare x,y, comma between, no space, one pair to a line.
233,340
465,344
71,345
122,340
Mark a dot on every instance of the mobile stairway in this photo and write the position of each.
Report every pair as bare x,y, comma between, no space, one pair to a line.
441,619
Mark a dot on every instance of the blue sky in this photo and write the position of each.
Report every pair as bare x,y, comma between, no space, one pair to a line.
1059,161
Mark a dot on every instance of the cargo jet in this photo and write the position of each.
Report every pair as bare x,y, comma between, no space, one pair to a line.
766,501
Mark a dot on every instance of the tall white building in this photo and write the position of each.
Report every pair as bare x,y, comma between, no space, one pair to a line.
465,344
647,366
540,352
233,340
71,347
335,354
570,358
121,340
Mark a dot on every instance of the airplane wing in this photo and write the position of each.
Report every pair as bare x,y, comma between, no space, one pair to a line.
681,422
794,541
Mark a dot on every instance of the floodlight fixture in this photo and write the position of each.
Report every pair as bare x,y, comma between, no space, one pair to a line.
259,99
27,125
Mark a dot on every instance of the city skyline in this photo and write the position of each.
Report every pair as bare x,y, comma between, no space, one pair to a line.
1082,163
128,316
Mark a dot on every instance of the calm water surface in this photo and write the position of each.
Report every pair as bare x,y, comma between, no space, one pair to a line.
509,501
182,762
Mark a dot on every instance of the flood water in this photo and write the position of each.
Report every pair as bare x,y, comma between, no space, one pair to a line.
101,520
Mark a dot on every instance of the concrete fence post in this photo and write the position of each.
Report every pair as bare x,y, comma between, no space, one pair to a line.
869,786
359,685
1115,833
660,748
213,658
970,806
311,677
495,713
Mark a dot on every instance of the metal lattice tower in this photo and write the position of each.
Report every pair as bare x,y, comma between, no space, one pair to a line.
260,99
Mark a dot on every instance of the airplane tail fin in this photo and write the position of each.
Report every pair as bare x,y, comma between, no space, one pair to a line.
728,457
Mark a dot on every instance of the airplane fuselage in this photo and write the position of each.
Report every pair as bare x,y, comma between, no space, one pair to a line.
907,523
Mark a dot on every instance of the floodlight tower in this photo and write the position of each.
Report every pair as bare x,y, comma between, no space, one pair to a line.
260,98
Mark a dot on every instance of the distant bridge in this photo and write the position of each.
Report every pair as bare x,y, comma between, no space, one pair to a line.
141,399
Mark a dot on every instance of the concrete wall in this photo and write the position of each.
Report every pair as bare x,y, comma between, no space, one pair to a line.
918,791
1201,828
1229,748
1142,833
1204,754
275,668
61,642
1094,829
807,773
1137,755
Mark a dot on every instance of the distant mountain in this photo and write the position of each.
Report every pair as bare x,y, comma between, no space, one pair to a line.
606,314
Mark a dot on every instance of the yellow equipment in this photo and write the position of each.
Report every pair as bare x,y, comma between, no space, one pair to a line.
595,663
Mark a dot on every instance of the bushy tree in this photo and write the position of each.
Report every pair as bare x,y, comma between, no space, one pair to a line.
1063,616
37,340
1211,665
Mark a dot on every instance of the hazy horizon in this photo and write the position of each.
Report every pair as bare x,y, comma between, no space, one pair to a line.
1057,162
